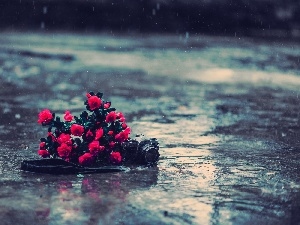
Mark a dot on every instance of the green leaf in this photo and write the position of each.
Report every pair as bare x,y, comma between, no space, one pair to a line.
79,121
99,94
84,115
111,109
49,128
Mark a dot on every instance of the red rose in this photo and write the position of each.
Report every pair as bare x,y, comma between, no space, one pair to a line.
107,105
112,144
68,116
120,117
43,145
77,130
94,102
88,95
124,125
44,153
64,138
120,137
95,148
86,159
111,117
110,132
64,150
99,134
89,134
123,135
45,117
52,136
127,130
115,157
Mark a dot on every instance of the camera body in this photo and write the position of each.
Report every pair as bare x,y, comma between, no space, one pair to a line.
145,152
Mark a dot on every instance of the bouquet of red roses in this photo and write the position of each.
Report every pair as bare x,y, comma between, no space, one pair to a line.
97,137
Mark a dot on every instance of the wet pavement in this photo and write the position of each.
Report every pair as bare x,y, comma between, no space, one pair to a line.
225,111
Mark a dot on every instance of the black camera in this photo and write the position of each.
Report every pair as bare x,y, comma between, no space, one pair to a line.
145,152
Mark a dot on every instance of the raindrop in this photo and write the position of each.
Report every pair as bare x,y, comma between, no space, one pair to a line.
6,110
153,12
187,35
45,9
18,116
157,6
24,146
42,25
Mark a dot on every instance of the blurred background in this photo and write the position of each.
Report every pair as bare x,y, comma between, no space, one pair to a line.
278,18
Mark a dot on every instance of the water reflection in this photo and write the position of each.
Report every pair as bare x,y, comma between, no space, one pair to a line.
90,199
85,203
185,189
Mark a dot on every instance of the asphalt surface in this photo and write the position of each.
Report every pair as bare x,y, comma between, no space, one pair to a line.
225,111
